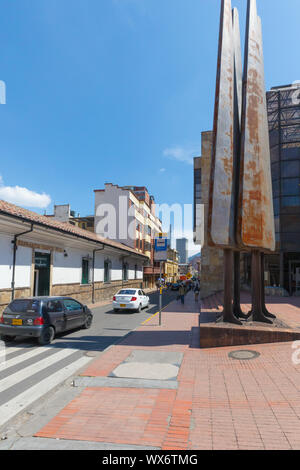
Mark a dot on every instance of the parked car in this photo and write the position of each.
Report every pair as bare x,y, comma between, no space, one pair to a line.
43,317
130,299
175,286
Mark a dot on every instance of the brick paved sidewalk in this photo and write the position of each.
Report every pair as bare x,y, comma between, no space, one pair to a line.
220,403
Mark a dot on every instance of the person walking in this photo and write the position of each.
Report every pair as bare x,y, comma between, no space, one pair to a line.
181,293
196,291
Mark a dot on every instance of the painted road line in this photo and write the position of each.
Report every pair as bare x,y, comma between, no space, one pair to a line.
32,369
152,316
23,357
32,394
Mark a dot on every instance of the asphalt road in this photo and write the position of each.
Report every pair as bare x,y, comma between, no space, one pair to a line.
29,371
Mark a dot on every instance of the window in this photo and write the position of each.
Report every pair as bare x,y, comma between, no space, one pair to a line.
23,306
290,187
276,188
275,170
276,207
85,271
54,306
127,292
290,153
72,305
290,169
290,202
135,271
107,269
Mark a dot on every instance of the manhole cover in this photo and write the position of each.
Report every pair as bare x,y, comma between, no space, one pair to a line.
243,355
91,353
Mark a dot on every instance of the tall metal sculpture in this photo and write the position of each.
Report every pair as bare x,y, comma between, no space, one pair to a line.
240,201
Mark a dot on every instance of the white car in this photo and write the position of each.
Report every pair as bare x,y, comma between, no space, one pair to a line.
130,299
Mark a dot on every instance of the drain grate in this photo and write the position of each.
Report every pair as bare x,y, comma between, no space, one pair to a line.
243,355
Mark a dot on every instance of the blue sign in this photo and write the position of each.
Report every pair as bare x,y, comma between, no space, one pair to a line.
161,244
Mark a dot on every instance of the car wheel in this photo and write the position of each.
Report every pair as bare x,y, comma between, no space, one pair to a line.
47,336
116,309
88,322
139,309
7,338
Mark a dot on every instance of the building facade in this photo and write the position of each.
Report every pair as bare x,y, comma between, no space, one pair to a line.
43,256
284,130
127,214
170,267
211,268
182,249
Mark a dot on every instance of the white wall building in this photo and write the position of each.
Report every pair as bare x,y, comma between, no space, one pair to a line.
42,256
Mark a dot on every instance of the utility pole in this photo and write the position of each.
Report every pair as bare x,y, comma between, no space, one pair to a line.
160,294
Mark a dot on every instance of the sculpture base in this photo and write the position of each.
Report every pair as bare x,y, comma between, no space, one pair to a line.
221,334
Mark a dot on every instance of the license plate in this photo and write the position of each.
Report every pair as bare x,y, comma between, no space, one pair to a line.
122,305
16,321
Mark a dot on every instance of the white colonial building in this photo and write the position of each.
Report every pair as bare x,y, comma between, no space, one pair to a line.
42,256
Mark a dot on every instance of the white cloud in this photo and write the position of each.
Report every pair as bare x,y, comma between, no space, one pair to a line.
23,196
182,154
162,170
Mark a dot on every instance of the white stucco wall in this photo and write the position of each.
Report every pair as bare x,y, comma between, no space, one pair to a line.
23,264
66,270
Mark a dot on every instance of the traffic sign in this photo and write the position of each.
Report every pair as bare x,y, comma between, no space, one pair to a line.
160,249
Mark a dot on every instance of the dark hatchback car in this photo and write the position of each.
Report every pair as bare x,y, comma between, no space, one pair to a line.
43,317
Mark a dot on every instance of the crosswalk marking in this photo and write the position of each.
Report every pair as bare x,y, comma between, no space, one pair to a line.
32,369
32,394
23,357
5,351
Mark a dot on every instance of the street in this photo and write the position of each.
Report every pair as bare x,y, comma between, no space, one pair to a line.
30,371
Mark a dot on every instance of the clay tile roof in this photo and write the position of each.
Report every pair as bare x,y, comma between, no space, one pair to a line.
49,222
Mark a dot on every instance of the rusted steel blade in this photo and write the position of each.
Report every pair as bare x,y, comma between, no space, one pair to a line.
255,228
238,67
221,213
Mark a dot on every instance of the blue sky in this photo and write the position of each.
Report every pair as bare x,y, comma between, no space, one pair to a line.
117,91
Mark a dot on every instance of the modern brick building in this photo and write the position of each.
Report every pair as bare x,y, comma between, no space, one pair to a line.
127,214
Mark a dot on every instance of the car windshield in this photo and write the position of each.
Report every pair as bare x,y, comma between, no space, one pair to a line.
126,292
23,306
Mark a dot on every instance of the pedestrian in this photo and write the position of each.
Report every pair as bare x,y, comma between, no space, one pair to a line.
181,293
196,291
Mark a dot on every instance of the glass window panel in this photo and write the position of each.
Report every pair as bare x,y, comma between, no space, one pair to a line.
292,153
290,169
276,206
290,187
290,201
276,188
274,154
274,139
275,171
